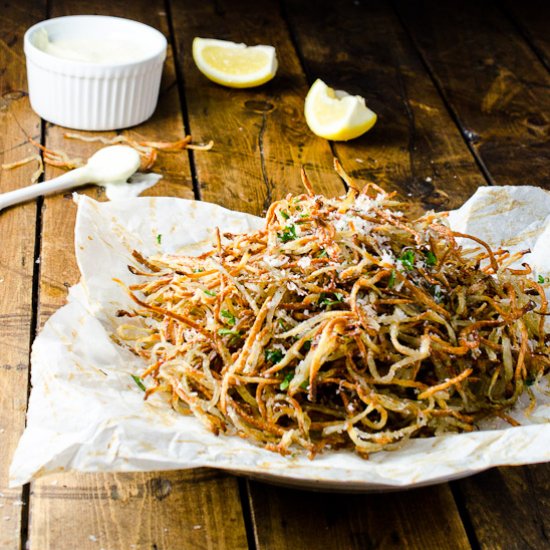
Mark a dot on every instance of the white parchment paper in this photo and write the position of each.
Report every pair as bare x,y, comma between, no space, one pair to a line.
86,413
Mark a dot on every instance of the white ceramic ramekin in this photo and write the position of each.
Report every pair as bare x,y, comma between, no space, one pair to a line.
94,96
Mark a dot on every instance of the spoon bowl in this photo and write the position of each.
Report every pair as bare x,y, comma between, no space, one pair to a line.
113,164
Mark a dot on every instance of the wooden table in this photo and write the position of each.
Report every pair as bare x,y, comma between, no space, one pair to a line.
462,97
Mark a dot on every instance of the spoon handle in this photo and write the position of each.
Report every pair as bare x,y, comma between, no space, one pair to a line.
74,178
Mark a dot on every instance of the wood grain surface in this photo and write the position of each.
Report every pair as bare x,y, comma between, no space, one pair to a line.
163,510
415,147
261,138
494,84
17,238
224,112
508,508
141,511
285,519
497,89
462,98
532,17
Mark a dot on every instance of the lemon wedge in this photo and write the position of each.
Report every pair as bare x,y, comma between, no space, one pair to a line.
336,115
234,65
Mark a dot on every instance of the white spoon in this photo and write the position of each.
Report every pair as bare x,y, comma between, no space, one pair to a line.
108,165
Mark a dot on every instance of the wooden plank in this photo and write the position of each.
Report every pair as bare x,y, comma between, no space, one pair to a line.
137,511
17,230
493,82
274,526
165,510
498,89
415,139
261,138
260,135
533,18
289,519
509,507
415,148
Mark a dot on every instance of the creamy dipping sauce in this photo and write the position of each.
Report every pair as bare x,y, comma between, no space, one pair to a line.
91,49
134,187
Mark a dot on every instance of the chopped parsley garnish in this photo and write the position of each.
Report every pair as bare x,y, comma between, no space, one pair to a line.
286,381
210,292
391,280
229,317
199,270
324,300
431,259
281,323
306,346
285,214
138,382
228,332
323,253
541,280
407,259
273,355
159,238
288,234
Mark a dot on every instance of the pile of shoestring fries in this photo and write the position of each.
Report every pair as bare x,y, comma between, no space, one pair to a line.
341,324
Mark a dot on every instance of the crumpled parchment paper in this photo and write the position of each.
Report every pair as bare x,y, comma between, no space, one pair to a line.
86,413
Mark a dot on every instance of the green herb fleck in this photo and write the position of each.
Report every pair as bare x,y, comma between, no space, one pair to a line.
306,346
229,317
431,259
273,355
304,385
540,280
323,253
281,323
210,292
138,382
286,381
159,238
284,214
407,259
324,300
199,270
228,332
288,234
391,280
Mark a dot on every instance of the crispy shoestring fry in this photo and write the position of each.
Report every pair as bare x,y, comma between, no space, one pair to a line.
57,158
36,174
341,324
148,150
